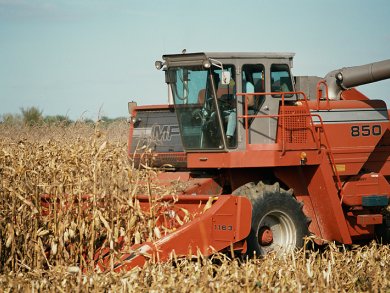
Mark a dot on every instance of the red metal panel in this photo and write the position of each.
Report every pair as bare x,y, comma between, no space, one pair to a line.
366,184
326,202
366,220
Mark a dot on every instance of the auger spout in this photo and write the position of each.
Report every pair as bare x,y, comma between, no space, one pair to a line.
348,77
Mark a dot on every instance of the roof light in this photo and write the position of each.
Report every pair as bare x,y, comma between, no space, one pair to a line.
158,64
206,64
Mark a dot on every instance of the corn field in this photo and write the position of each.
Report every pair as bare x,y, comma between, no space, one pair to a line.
48,243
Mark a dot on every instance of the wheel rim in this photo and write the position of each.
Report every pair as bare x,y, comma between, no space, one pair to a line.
265,236
276,232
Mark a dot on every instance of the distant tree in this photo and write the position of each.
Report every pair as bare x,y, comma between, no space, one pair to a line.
57,119
106,119
109,120
32,116
86,121
119,119
11,119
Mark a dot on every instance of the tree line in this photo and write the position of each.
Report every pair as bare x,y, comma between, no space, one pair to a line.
34,116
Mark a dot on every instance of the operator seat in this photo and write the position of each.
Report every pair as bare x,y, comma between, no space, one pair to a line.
220,92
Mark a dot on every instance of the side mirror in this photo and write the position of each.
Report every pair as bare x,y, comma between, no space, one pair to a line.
226,77
131,106
170,76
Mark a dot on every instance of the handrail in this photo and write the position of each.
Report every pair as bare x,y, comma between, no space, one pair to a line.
319,91
269,116
283,116
330,153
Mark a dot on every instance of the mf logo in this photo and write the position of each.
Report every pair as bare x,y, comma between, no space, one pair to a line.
165,132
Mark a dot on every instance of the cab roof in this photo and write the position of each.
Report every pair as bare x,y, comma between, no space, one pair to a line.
235,55
196,58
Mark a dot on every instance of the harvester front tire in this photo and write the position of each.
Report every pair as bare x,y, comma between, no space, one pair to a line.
278,222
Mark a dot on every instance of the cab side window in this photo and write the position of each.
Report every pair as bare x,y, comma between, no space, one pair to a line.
281,79
253,81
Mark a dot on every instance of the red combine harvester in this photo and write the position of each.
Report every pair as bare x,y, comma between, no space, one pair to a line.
266,158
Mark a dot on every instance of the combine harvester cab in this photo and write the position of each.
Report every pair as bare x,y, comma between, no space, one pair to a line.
263,163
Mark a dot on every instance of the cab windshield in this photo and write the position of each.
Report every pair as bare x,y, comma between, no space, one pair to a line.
204,106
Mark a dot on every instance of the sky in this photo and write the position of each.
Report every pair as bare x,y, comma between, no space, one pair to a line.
89,58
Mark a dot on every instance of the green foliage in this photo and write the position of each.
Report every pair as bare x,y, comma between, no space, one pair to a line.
32,116
57,119
12,119
108,120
